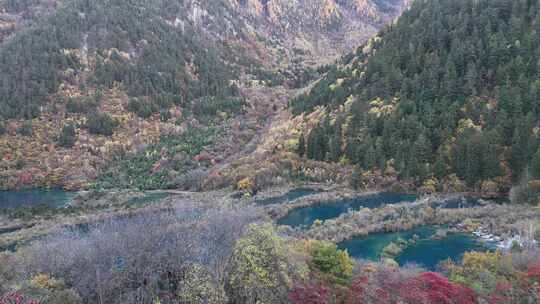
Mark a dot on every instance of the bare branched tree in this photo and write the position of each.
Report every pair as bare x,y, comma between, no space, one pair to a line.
145,257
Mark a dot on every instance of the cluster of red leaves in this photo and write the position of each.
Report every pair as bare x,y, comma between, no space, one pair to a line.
533,274
361,290
431,287
25,178
310,294
8,157
16,298
527,289
504,293
203,157
531,282
358,290
425,288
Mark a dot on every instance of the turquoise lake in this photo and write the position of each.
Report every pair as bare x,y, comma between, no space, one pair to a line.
304,217
426,252
30,198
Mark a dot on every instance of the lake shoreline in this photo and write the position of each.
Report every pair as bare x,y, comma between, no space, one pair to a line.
346,226
426,246
501,220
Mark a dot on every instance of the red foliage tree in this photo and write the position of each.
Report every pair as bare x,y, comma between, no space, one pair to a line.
390,288
503,293
533,274
426,288
16,298
530,282
357,291
25,178
310,294
361,291
433,288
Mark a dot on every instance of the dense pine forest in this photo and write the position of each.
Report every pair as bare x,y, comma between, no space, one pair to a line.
450,90
101,43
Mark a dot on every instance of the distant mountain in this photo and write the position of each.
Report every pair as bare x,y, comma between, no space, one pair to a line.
446,98
324,27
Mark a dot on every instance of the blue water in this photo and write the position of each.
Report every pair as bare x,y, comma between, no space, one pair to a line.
304,217
430,252
12,247
30,198
370,247
289,196
426,251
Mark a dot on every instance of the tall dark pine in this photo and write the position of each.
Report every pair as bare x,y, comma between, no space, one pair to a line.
301,150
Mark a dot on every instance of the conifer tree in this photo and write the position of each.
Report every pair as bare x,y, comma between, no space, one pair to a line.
301,150
535,166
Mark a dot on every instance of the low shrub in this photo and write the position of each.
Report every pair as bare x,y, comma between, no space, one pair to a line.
68,136
101,124
81,106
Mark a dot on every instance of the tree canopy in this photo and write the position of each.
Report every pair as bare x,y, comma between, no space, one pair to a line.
451,88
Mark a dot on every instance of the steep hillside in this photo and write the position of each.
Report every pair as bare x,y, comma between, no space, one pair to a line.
84,44
84,83
81,71
76,41
325,29
16,14
447,98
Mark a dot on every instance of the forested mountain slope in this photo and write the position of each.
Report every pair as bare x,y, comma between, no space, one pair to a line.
325,28
17,14
83,82
101,42
78,72
447,97
78,35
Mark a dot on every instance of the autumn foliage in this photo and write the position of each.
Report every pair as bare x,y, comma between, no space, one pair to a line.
531,282
310,294
385,287
480,277
16,298
431,287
